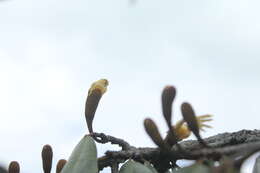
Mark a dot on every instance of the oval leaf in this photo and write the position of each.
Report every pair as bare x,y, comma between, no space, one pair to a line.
148,165
134,167
257,165
195,168
2,169
83,157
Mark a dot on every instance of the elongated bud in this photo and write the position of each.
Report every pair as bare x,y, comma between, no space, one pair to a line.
191,120
189,116
14,167
168,96
152,130
47,158
60,165
95,93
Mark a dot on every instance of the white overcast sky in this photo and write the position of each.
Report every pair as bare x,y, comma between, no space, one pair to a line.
52,50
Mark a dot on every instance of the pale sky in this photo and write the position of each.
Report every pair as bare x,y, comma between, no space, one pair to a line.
51,52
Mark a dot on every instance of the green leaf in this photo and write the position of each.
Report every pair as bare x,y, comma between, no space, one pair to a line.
83,158
148,165
134,167
195,168
169,171
257,165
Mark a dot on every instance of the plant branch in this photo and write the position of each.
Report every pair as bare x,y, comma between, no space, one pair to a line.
102,138
222,144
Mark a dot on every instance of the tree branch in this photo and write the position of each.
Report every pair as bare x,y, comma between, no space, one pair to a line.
228,144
